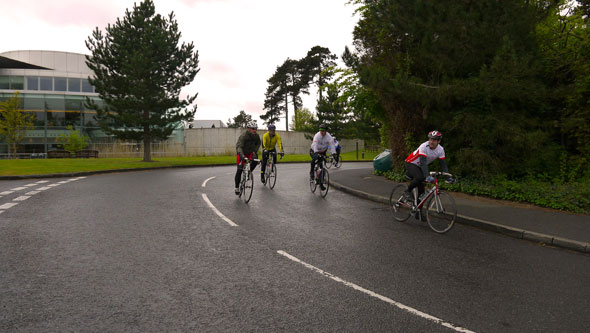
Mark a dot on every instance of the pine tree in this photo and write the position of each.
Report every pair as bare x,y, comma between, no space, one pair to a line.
139,69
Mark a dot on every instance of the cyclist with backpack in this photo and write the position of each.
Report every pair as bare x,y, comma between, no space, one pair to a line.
418,161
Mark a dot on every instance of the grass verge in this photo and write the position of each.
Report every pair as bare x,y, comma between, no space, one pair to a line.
72,165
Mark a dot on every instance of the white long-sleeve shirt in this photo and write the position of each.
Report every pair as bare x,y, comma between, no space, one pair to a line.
321,143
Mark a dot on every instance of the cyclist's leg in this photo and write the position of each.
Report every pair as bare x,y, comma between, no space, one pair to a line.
264,161
414,172
238,176
263,165
253,164
313,162
274,156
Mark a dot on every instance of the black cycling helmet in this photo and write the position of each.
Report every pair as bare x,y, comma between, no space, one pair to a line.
436,135
272,127
323,127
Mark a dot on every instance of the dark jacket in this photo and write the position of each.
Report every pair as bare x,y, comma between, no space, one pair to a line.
248,143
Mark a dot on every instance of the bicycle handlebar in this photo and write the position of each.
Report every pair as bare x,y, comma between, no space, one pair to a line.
440,173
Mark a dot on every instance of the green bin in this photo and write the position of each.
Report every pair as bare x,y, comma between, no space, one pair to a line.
382,162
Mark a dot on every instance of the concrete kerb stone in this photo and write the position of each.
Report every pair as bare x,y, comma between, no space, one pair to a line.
570,244
487,225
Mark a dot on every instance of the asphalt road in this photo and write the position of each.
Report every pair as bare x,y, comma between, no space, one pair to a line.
144,251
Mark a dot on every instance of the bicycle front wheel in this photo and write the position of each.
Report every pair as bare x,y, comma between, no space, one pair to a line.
329,162
312,182
339,163
272,176
248,186
399,208
441,212
324,182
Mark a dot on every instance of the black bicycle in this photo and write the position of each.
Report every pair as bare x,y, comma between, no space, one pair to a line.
321,177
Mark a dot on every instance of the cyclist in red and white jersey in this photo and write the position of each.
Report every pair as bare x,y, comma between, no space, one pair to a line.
418,161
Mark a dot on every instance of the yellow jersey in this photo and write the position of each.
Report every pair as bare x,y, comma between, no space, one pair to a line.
269,142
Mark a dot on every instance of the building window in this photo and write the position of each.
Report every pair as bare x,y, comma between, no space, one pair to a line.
74,85
86,86
4,84
32,83
46,83
60,84
17,82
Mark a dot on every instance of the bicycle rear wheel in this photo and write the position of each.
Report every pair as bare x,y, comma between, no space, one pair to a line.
441,212
247,187
399,208
324,183
272,176
339,163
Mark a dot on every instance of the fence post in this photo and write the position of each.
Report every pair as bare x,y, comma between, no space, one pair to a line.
357,150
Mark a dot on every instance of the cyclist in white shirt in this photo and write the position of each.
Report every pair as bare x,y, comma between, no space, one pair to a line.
418,161
322,140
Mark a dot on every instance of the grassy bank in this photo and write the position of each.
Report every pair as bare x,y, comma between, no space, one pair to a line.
70,165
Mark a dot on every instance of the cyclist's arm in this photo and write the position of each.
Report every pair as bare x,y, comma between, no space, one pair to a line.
279,142
443,165
240,144
424,166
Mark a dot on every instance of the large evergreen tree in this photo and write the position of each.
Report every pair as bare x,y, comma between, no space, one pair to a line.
288,81
468,68
139,70
240,121
315,65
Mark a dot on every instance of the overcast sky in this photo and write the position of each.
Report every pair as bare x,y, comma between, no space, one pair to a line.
240,42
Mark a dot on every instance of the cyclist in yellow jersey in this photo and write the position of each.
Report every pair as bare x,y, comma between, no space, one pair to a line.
269,140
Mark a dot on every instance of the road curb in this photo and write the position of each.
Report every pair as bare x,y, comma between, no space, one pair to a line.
486,225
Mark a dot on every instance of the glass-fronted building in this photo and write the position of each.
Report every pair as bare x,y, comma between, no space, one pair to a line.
53,87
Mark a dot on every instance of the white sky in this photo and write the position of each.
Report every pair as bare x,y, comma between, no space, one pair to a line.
240,42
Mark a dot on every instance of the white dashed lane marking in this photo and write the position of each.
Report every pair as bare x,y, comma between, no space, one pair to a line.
206,180
6,192
21,198
29,185
17,188
223,217
32,192
43,188
43,181
378,296
8,205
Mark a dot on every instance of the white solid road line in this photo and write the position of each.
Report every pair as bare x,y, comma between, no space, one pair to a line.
218,212
373,294
206,180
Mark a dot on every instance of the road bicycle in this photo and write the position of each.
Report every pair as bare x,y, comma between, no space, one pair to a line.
247,181
440,207
321,177
331,161
270,175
